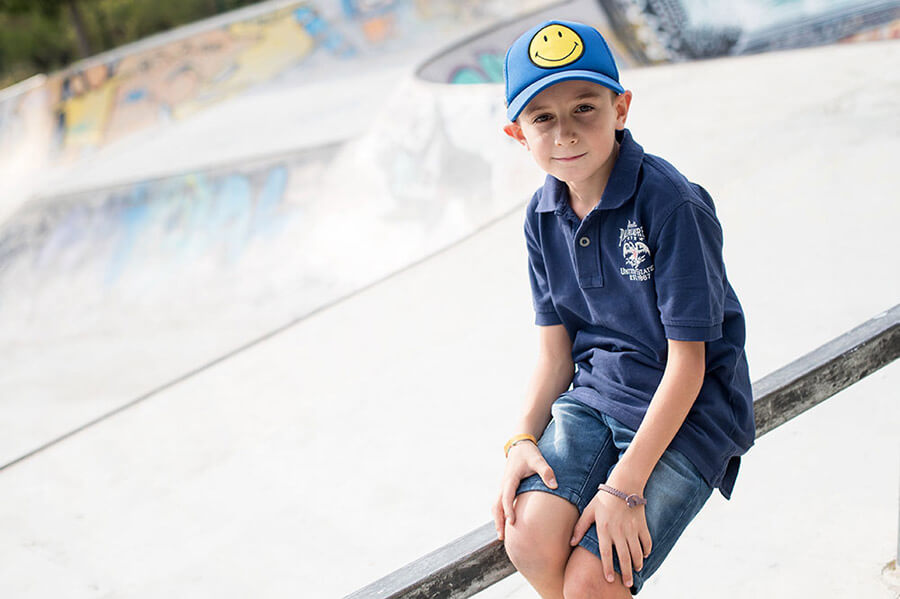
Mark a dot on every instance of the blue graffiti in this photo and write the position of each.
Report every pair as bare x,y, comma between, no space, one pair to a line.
323,33
488,70
172,221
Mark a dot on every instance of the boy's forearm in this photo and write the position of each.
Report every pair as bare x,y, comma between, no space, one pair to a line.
550,378
668,409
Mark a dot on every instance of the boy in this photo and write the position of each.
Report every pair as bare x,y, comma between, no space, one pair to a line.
636,314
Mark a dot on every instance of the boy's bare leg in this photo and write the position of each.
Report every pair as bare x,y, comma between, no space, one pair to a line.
584,578
538,542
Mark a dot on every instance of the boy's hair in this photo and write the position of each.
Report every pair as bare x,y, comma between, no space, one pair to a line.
556,51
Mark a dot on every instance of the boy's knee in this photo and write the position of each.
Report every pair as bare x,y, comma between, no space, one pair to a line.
529,549
584,579
578,585
533,543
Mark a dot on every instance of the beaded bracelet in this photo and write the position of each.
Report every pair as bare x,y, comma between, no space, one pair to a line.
516,439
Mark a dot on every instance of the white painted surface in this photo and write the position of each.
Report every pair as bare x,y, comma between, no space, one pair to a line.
186,292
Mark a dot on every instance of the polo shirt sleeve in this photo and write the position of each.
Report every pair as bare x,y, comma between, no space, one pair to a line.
544,311
690,274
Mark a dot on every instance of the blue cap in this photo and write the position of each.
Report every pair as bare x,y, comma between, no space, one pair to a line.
552,52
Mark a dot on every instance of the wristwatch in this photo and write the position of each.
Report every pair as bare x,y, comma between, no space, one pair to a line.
632,500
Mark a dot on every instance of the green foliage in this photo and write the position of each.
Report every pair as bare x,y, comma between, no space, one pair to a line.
38,36
48,8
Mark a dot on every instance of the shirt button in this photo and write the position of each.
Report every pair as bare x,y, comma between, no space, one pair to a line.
584,242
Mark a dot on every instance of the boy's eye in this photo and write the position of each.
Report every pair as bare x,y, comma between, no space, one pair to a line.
584,108
541,118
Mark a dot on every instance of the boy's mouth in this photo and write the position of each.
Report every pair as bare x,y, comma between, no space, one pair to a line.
570,158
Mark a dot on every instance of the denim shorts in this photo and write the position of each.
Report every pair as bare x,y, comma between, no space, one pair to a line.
582,445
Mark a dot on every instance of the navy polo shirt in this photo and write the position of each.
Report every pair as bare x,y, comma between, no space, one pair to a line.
645,265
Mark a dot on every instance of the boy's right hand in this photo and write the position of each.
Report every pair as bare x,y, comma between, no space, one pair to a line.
524,459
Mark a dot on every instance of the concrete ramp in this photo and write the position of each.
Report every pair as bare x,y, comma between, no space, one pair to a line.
172,247
75,129
124,289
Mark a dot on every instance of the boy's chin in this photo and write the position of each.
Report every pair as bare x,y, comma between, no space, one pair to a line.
569,175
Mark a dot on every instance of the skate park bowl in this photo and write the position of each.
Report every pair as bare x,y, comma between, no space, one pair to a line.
223,298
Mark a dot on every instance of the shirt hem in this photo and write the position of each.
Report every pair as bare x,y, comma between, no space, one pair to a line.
688,437
547,318
692,333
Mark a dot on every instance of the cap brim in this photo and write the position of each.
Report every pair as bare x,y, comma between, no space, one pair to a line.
525,96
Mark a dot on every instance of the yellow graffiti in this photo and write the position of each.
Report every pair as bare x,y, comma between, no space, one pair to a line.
85,115
273,46
176,80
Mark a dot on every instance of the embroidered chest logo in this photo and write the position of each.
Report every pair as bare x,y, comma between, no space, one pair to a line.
635,252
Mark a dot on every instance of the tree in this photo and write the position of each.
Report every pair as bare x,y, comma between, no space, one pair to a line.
52,8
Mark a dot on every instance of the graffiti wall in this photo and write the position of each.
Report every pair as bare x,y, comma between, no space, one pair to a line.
114,98
121,244
658,31
479,59
665,30
177,74
285,234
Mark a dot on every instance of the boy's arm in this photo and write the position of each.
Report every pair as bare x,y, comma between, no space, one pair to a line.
690,285
555,369
679,387
619,526
552,375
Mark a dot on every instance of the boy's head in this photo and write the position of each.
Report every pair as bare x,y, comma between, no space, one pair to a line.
565,101
552,52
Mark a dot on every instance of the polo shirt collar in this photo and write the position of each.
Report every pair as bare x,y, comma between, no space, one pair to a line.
620,187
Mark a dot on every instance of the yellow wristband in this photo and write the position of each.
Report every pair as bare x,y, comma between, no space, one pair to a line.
515,439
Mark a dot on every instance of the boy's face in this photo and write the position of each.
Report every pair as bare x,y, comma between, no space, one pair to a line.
569,128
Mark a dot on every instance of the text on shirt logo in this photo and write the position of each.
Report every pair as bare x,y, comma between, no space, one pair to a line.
635,252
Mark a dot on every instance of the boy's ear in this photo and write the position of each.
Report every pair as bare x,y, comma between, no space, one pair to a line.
515,131
621,105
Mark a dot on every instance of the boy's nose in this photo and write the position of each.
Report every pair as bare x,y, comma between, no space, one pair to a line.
565,137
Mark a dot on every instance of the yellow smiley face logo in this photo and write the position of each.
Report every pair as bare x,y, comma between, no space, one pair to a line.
555,46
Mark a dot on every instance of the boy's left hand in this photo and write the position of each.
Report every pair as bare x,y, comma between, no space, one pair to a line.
617,525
